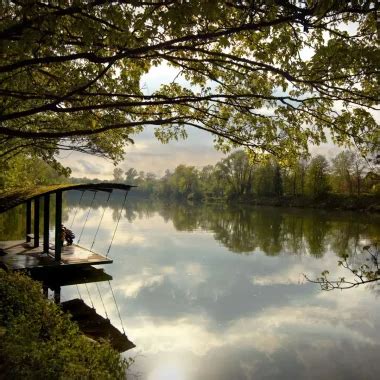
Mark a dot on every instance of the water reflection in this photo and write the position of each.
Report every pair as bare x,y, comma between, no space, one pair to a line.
244,229
216,292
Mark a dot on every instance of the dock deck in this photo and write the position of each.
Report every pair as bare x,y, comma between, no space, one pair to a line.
18,254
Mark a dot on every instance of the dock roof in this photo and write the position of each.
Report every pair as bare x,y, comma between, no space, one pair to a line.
13,198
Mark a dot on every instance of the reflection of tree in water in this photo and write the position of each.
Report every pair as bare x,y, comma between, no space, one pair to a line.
347,232
240,228
243,230
232,227
12,224
184,217
13,221
315,229
293,226
268,225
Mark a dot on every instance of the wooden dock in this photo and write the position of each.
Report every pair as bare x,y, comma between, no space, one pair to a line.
18,255
73,275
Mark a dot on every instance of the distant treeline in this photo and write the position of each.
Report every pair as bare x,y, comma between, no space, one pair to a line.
237,178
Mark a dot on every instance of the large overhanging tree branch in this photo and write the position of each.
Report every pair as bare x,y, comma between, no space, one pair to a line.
272,76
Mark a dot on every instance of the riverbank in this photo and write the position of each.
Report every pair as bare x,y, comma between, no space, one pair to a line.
39,341
367,203
364,203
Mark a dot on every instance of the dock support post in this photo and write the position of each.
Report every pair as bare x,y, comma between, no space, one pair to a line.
45,290
58,224
28,220
46,222
36,229
57,295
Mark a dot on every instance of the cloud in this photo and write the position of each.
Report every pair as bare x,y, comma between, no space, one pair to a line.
149,155
269,331
135,283
85,165
89,167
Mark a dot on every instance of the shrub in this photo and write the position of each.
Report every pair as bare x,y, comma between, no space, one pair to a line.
37,340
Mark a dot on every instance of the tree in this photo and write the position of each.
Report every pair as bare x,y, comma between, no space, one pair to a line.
131,176
316,177
264,182
149,183
237,172
25,171
118,174
359,165
71,74
294,177
347,170
184,182
342,170
277,181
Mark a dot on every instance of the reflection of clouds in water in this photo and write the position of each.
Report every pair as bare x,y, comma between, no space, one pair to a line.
187,276
293,272
294,276
129,238
270,330
307,337
170,370
133,284
195,310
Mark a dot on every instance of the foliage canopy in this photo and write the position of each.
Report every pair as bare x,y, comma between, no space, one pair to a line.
272,76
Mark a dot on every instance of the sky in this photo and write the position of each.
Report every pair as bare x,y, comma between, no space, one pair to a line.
148,154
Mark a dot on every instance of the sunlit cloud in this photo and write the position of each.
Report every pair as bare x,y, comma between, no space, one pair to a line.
267,332
133,284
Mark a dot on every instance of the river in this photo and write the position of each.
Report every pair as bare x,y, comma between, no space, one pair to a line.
219,292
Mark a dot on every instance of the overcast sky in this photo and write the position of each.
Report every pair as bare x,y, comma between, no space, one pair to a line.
149,155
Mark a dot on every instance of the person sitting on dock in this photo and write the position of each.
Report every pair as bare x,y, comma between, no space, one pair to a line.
67,235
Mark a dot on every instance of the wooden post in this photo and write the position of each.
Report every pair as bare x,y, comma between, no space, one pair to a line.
36,229
28,220
58,224
45,290
57,295
46,222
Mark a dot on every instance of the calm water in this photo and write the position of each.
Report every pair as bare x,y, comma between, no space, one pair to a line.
215,292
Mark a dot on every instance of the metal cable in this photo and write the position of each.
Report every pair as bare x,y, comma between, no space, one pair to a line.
100,222
117,224
101,298
117,308
89,295
88,213
77,208
80,295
